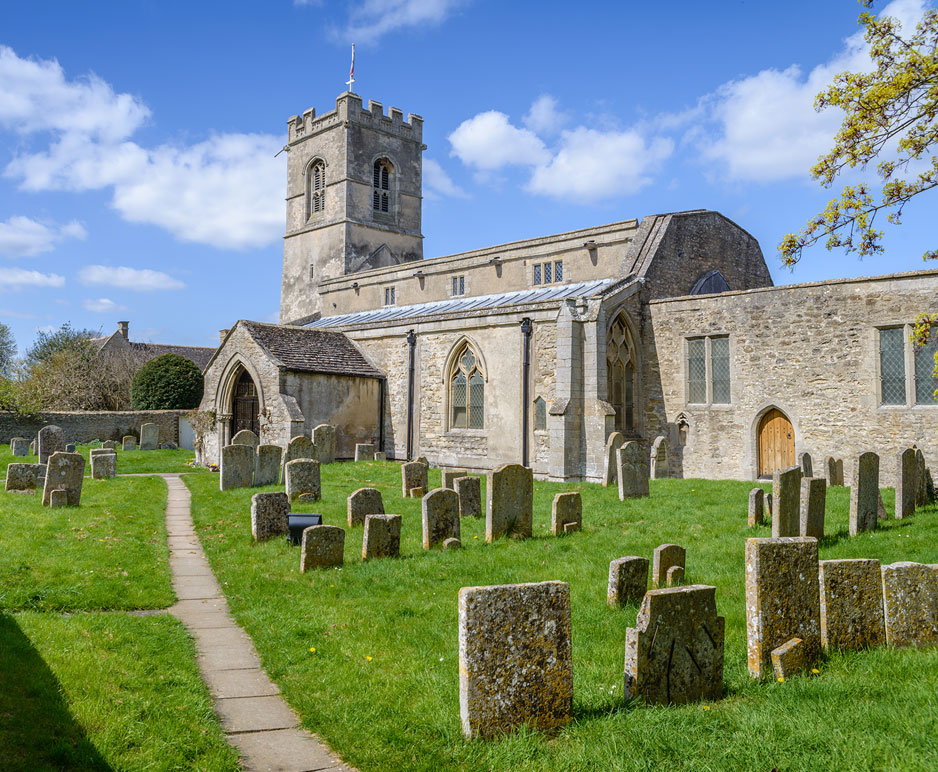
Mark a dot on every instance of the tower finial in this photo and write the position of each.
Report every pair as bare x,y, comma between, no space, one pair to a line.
351,73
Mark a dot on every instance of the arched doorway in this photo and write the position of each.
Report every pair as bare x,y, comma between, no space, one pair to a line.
776,438
244,405
620,374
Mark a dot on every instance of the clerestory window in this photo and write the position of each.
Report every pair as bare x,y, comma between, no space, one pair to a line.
467,391
381,186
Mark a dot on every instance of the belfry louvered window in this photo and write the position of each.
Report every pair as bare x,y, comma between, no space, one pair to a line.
467,392
381,186
317,188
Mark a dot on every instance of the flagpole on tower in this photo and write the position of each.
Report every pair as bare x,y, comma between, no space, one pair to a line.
351,73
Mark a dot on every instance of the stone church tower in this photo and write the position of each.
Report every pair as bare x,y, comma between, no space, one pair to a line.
353,198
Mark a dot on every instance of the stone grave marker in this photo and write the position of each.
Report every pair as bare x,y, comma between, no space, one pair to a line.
756,507
921,490
789,659
364,502
509,502
633,471
851,604
267,465
51,439
323,546
768,505
298,447
451,475
58,498
840,471
237,467
149,436
112,444
469,490
830,470
32,448
813,506
270,515
674,654
103,466
25,477
19,446
611,471
168,446
452,544
380,455
864,493
324,443
628,580
65,471
70,447
365,451
567,510
382,537
440,517
910,604
786,501
302,480
660,463
246,437
880,507
906,483
666,556
413,475
128,442
674,576
806,464
524,678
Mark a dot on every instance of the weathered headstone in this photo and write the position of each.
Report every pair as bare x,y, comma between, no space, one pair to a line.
452,544
364,502
880,507
786,501
666,556
302,480
790,659
566,513
519,678
103,466
768,505
150,436
674,654
270,515
660,462
324,443
365,451
611,469
806,464
840,471
851,604
381,455
756,507
70,447
413,475
65,471
451,475
101,452
51,439
246,437
910,604
633,471
237,467
782,598
32,448
509,502
440,517
628,580
813,506
906,483
382,537
830,470
674,576
323,546
58,498
168,446
921,490
298,447
25,477
112,444
19,446
128,442
864,493
417,493
469,490
267,465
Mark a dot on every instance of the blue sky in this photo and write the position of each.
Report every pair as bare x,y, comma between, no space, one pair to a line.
137,139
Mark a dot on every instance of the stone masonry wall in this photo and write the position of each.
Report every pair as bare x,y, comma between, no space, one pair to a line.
83,426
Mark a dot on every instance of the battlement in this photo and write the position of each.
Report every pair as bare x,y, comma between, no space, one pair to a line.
348,108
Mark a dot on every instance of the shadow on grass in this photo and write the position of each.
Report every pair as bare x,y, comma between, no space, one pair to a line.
37,732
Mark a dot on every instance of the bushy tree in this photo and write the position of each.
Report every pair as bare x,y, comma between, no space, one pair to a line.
7,351
66,339
167,382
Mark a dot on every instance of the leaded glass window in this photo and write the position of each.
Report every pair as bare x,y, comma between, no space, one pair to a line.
697,370
537,273
925,381
620,374
558,270
892,365
467,392
547,269
720,368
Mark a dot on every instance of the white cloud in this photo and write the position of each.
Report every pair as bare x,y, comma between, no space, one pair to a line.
16,278
489,141
436,182
544,118
141,279
24,237
102,305
370,19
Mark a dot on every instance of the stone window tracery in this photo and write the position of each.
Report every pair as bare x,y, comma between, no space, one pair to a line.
620,374
467,391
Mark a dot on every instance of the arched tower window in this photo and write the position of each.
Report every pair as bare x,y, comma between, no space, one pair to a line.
467,391
381,186
316,188
620,374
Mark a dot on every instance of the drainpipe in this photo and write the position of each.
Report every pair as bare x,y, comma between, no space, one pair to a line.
412,343
526,328
382,385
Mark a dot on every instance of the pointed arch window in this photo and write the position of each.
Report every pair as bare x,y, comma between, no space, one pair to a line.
620,374
381,186
316,188
467,392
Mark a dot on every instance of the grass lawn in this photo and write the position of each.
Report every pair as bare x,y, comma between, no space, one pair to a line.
128,461
381,686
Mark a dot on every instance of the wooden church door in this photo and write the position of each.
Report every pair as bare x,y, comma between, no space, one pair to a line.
244,409
776,443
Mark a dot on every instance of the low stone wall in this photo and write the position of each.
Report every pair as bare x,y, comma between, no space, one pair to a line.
82,426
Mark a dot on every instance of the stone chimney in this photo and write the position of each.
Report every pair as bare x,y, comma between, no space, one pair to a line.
221,336
123,329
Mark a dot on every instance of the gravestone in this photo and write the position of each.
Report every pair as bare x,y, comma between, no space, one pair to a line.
566,513
25,477
324,443
19,446
880,507
440,517
864,493
782,599
666,556
851,604
51,439
756,507
674,654
840,472
413,475
452,544
509,502
633,471
270,515
382,537
365,451
674,576
921,491
830,470
103,466
611,470
58,498
150,436
246,437
451,475
768,505
128,442
237,467
364,502
168,446
806,464
267,465
660,463
906,483
790,659
524,678
65,471
323,546
101,452
112,444
910,604
813,505
786,502
70,447
417,493
380,455
302,480
469,490
628,580
32,448
298,447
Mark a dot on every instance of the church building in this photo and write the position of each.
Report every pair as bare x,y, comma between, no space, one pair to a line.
535,351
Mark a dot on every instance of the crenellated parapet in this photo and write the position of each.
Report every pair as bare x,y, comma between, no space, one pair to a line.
349,109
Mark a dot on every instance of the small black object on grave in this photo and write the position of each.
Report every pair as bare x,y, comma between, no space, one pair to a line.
298,523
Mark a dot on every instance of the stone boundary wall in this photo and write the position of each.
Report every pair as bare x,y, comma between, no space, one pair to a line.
82,426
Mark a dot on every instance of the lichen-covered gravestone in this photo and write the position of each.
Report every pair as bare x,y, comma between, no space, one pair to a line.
382,537
302,480
633,471
666,556
65,471
813,505
515,660
149,436
864,493
267,465
451,475
413,475
109,444
440,517
58,498
660,464
906,483
324,443
323,546
756,507
365,451
628,580
237,467
51,439
835,470
103,465
128,442
611,458
364,502
469,490
674,654
807,466
840,471
566,513
509,502
19,446
246,437
786,501
921,491
298,447
790,658
910,604
782,599
851,604
25,477
270,515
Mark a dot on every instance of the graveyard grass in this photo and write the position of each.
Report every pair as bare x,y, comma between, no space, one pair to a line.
128,461
368,655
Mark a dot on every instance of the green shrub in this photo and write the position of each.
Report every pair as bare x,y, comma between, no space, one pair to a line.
167,382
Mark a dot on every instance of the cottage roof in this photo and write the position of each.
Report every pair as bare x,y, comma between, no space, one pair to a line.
198,354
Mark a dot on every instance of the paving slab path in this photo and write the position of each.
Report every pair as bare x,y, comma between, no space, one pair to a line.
256,719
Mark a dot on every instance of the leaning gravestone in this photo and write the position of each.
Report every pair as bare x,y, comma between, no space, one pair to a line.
270,515
628,580
65,471
851,604
674,654
382,537
237,467
660,464
324,443
246,437
365,451
921,491
864,493
413,475
451,475
267,465
302,480
666,557
790,659
782,599
633,471
910,604
519,678
906,483
806,464
813,505
323,546
786,501
103,466
566,513
25,477
149,436
469,490
19,446
51,439
509,502
128,442
440,517
756,507
611,469
364,502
